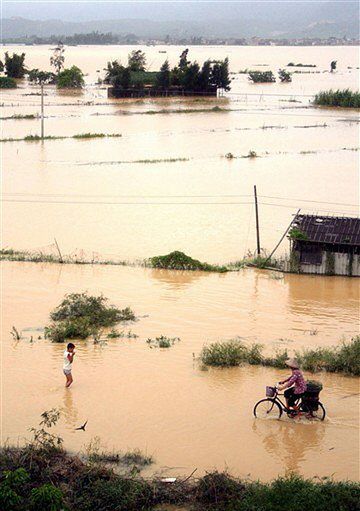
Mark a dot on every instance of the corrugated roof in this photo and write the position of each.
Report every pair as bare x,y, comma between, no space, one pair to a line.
329,229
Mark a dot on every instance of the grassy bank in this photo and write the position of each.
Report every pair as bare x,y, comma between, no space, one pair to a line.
179,261
343,98
344,358
34,478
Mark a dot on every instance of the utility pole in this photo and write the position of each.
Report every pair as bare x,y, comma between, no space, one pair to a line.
42,111
257,222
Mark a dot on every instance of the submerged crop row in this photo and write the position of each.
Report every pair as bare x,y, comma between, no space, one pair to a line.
82,136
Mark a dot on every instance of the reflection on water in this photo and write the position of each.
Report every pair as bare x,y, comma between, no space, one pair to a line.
290,444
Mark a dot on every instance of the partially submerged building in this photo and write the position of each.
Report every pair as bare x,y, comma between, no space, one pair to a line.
325,245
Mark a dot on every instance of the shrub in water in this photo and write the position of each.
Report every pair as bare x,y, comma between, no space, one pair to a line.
179,261
343,98
262,76
224,354
6,82
80,315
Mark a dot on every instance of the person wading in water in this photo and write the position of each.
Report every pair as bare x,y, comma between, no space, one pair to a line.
68,360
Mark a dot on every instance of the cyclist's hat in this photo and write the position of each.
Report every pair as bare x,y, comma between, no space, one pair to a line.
293,363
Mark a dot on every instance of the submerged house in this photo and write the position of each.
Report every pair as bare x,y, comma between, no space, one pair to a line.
325,245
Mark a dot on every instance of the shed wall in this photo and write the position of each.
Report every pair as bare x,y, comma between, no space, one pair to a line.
343,264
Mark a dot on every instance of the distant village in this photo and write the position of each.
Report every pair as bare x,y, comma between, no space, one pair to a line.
97,38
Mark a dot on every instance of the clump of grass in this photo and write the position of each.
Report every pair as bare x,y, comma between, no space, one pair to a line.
79,136
80,315
338,359
96,454
179,261
162,341
17,117
115,334
7,82
229,353
345,98
219,488
291,64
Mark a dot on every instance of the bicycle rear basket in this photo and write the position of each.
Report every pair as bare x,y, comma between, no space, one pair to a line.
270,391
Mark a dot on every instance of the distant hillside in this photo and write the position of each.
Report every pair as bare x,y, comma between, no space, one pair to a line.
263,19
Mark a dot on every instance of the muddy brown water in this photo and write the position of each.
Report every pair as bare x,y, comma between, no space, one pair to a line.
99,200
160,400
119,198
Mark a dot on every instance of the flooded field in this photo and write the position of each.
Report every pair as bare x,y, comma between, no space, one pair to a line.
160,400
165,185
165,181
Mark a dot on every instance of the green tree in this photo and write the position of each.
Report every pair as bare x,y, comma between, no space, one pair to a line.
15,65
184,62
220,74
58,58
205,76
163,78
7,83
1,66
113,69
70,78
190,77
137,60
46,77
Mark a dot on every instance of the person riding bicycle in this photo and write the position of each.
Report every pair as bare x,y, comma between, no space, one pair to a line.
295,384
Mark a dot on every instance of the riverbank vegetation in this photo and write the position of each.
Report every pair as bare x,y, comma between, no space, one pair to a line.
42,475
344,358
80,315
342,98
179,261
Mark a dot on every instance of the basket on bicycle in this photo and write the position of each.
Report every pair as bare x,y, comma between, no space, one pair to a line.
270,391
311,396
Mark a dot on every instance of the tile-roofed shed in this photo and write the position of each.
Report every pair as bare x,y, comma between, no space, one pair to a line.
329,229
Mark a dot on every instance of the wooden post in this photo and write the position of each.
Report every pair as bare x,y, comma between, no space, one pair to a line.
257,223
58,249
42,111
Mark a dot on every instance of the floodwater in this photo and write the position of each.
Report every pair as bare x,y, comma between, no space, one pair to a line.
160,400
121,198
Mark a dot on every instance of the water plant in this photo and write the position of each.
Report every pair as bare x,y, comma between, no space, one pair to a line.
162,341
179,261
345,98
284,76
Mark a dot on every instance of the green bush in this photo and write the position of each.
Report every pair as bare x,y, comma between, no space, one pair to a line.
343,98
6,82
80,315
219,489
179,261
120,494
70,78
47,498
261,76
9,499
224,354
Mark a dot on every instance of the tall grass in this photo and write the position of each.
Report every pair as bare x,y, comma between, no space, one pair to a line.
344,358
344,98
179,261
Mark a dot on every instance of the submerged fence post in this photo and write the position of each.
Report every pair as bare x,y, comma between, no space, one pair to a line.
42,111
257,222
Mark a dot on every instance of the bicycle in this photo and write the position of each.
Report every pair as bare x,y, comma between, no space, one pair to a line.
273,407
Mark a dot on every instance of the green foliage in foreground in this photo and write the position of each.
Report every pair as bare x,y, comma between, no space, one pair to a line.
344,98
179,261
344,358
80,315
61,481
6,82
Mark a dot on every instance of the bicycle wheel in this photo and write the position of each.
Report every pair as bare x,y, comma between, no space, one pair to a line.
267,409
318,414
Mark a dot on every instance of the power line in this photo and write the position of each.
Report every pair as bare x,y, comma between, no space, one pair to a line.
23,194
